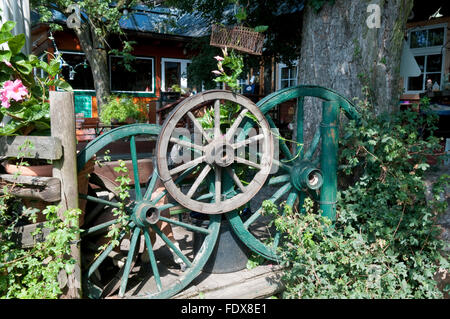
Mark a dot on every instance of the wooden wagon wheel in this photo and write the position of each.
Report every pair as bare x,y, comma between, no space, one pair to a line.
228,172
156,278
306,171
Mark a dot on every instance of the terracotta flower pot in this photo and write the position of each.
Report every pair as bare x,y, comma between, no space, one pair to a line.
44,170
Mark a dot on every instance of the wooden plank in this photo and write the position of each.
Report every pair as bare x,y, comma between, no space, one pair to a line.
23,235
62,114
44,147
257,283
47,189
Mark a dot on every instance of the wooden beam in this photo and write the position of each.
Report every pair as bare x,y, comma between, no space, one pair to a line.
44,147
23,235
62,115
47,189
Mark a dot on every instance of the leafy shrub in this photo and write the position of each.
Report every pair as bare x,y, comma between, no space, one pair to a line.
384,243
24,96
33,273
120,109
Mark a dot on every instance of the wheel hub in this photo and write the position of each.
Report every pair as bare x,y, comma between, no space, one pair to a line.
219,152
305,175
145,214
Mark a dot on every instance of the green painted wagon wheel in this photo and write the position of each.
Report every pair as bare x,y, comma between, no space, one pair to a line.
143,214
300,173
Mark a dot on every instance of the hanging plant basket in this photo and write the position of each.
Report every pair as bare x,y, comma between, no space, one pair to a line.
238,37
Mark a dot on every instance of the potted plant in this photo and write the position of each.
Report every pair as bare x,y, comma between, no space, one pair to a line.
24,108
122,110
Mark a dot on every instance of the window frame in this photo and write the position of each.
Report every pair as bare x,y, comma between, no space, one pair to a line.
137,93
281,66
75,90
425,52
183,70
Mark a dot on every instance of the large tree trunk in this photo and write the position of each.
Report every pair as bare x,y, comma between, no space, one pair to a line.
340,51
97,57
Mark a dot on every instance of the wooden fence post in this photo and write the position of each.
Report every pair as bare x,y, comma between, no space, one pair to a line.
62,115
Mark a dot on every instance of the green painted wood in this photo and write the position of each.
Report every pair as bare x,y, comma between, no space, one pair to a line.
152,258
195,266
338,103
83,104
329,158
134,160
300,119
130,257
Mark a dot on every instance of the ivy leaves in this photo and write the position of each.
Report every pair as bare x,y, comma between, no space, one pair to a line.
385,241
33,273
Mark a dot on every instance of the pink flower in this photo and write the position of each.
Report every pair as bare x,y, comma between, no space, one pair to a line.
218,58
14,90
216,72
7,63
4,99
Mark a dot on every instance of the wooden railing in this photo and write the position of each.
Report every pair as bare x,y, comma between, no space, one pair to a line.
60,189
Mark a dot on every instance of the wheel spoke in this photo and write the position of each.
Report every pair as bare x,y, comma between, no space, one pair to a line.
171,245
234,127
102,257
151,186
300,120
185,225
279,179
186,144
218,185
236,179
152,258
199,180
250,140
287,187
198,126
289,202
99,200
312,148
127,269
284,148
96,228
217,132
187,165
137,184
247,162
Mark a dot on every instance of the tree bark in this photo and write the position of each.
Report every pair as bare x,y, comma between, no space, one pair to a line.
95,50
342,52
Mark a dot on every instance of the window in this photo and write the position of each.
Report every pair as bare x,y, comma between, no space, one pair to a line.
287,76
76,71
174,72
426,45
125,81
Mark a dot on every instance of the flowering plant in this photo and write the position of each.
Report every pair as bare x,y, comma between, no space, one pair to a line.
24,96
229,67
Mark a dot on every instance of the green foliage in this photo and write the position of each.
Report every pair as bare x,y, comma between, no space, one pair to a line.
230,67
122,108
318,4
281,20
33,273
31,114
123,192
385,242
